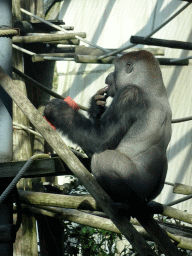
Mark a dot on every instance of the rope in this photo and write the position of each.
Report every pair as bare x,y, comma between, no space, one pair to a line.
6,31
13,183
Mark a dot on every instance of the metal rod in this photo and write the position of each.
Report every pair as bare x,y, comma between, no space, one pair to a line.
180,200
20,126
58,58
62,29
179,120
169,183
153,32
23,50
116,51
181,59
167,21
42,87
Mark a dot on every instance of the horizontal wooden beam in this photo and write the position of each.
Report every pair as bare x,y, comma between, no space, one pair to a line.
41,168
161,42
46,38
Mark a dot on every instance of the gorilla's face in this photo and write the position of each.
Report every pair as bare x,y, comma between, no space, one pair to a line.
139,68
111,87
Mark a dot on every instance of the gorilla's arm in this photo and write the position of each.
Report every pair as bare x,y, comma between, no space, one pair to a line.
104,134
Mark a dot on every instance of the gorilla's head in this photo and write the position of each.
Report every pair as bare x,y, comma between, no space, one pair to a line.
139,68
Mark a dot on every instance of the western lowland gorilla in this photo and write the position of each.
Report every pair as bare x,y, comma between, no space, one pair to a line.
127,141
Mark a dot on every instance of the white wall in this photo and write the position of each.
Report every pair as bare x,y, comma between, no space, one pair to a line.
110,23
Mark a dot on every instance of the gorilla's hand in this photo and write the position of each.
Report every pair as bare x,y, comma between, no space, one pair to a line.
57,110
100,97
98,102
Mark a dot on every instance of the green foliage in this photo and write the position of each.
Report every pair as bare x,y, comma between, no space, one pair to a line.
89,241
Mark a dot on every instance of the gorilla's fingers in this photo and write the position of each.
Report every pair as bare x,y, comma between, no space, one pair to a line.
99,97
101,103
102,91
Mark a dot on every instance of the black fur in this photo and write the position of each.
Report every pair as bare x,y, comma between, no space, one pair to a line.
127,141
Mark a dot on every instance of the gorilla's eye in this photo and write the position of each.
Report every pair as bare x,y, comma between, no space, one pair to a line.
129,67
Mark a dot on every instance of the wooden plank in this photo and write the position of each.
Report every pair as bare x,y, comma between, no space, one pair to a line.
46,38
41,168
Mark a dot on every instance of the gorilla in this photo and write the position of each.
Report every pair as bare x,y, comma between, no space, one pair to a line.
126,141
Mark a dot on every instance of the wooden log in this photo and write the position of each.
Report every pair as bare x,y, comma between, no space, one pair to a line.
93,59
40,57
177,214
182,189
109,60
68,42
84,50
65,201
76,166
46,38
104,223
42,199
161,42
80,217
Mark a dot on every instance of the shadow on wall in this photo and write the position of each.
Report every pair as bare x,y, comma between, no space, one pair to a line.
166,12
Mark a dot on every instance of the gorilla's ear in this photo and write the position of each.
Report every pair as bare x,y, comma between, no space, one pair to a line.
129,67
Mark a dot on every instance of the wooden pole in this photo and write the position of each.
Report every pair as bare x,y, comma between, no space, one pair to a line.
26,238
109,60
182,189
46,38
161,42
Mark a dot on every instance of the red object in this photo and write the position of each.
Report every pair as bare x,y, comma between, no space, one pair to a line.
71,103
54,128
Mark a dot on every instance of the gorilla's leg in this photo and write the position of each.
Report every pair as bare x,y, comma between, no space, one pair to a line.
118,176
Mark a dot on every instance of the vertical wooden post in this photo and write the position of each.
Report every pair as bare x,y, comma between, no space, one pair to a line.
36,7
26,239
